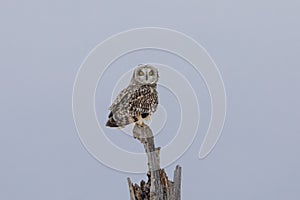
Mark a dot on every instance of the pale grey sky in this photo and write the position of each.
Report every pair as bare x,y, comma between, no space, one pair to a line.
255,45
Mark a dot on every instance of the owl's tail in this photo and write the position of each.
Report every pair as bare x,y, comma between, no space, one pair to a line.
111,122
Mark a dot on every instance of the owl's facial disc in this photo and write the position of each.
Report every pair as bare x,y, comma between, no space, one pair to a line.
146,74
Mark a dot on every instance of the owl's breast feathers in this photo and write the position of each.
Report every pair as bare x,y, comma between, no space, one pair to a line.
132,104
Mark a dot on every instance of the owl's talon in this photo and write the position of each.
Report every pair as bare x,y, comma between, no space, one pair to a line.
148,118
140,123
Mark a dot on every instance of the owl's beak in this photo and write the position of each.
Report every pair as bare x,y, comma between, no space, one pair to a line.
146,77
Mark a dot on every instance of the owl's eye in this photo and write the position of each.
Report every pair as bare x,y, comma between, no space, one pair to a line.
151,73
141,73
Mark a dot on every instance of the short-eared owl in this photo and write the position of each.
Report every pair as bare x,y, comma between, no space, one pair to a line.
138,100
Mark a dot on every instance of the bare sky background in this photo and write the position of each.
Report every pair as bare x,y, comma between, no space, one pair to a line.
255,45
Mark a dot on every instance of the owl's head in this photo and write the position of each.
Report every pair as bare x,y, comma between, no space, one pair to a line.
145,74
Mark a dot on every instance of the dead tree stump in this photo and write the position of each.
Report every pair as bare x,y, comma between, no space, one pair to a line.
158,186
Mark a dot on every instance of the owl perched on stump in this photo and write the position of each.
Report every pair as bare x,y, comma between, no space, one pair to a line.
138,100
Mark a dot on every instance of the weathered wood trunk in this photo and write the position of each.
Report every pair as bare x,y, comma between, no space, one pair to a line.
158,186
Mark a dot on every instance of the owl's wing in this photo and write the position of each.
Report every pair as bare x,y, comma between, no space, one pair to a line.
122,97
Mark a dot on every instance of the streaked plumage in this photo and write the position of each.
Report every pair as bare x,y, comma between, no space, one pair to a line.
138,100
